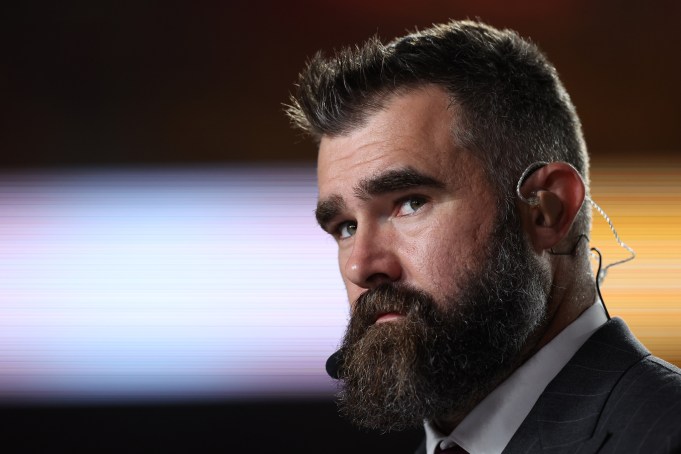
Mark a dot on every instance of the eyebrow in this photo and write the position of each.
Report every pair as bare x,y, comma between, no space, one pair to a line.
328,209
386,182
395,180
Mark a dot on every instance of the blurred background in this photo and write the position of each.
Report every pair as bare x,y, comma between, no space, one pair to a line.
162,281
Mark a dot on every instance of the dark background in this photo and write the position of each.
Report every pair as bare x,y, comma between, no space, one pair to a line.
95,83
134,82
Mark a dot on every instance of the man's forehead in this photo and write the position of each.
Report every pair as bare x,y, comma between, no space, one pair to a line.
413,128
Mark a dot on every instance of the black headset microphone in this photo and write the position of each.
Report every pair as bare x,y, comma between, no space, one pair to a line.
334,364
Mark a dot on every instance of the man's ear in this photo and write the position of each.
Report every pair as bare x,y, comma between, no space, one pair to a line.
556,192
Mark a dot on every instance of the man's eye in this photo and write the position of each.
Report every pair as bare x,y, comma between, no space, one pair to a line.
347,229
411,205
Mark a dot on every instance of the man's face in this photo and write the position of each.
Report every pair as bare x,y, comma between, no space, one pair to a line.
443,297
404,204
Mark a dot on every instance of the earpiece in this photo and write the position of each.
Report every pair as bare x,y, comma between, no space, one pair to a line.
533,200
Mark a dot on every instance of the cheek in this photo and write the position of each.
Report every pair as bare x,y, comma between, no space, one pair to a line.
438,265
445,254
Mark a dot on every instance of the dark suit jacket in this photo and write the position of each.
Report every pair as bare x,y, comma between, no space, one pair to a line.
613,396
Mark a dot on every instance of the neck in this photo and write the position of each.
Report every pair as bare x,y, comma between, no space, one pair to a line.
572,292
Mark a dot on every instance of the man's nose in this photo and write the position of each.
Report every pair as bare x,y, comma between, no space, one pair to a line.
373,260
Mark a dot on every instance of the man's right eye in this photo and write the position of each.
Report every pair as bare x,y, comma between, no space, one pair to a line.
347,229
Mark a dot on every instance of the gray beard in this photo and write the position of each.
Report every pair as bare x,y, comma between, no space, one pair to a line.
441,359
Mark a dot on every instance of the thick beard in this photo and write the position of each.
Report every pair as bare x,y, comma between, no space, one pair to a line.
442,358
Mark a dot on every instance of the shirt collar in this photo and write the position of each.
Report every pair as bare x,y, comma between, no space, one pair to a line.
489,427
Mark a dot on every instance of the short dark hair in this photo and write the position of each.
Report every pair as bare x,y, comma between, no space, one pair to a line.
512,109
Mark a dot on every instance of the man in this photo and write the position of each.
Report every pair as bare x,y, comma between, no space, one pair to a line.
453,175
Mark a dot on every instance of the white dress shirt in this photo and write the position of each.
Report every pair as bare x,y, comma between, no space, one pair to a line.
489,427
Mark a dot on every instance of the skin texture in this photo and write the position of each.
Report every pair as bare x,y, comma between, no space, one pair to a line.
429,233
392,241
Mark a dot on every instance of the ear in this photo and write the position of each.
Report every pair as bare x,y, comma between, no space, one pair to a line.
556,192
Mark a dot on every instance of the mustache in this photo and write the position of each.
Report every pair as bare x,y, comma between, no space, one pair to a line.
391,297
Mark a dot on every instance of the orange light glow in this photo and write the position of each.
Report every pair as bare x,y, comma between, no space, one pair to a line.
643,199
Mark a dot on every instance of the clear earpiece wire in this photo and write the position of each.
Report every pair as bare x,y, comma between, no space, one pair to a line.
603,272
534,201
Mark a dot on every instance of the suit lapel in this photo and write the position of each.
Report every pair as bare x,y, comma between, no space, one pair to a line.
567,414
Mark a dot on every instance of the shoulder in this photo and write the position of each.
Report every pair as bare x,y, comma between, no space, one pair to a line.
643,386
643,413
613,396
649,388
659,370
